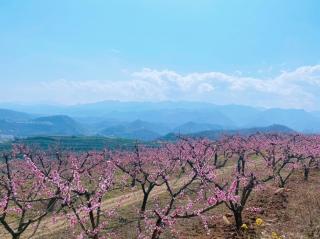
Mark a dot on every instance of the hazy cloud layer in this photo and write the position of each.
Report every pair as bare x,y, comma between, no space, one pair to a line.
298,88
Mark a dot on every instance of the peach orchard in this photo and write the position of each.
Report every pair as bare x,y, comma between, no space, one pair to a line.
70,186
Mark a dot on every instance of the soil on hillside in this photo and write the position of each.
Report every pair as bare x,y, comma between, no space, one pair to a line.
292,212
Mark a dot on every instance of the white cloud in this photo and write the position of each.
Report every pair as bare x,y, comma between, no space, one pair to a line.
298,88
205,87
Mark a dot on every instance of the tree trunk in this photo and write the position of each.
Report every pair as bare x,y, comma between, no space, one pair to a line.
238,218
306,173
143,209
96,236
157,232
16,236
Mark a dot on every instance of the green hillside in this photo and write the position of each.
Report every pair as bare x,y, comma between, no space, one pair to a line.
74,143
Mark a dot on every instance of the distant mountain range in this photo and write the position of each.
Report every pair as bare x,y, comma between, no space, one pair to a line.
192,127
137,129
21,124
215,134
150,121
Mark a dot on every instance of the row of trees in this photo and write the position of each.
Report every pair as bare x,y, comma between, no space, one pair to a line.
181,180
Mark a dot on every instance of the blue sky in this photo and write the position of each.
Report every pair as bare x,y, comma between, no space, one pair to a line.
254,52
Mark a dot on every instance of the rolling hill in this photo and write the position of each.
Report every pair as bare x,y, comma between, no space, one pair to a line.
299,120
22,125
215,134
137,129
192,127
14,116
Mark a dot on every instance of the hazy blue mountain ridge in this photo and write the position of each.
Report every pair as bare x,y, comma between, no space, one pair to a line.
148,120
51,125
137,129
296,119
215,134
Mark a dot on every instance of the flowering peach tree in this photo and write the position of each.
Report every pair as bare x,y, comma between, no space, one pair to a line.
26,195
180,180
